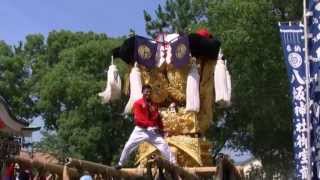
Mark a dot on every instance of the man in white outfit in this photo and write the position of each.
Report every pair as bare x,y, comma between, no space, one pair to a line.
148,127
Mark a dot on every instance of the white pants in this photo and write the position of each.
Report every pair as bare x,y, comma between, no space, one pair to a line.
150,135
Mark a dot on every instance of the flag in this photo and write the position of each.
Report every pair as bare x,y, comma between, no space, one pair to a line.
293,48
314,58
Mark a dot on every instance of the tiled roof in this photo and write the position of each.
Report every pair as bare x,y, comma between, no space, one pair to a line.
9,110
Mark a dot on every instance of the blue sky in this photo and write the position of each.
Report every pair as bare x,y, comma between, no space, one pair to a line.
113,17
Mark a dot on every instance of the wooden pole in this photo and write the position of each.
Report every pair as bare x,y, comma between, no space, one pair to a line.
139,172
53,168
103,169
183,173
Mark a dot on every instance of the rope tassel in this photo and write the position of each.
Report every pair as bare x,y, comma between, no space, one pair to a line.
113,88
228,78
135,88
193,96
222,84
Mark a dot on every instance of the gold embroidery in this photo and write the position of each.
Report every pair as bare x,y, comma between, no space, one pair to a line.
144,52
181,51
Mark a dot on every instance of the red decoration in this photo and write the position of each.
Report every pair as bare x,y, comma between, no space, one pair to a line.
2,125
204,33
9,172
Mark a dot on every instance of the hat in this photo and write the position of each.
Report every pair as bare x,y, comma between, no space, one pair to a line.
204,32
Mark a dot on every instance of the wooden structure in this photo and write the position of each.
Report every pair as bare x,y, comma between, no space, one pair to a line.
12,130
8,122
74,168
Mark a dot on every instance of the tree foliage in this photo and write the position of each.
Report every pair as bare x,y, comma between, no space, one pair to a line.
259,119
176,16
13,82
67,96
58,80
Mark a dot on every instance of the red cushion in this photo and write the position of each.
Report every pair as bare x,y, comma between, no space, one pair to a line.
204,33
2,125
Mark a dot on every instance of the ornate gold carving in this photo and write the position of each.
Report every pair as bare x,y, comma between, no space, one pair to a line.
180,122
159,83
177,83
190,151
170,84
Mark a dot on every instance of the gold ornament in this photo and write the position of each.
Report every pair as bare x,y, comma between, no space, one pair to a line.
180,122
177,83
144,52
190,151
159,83
185,127
181,51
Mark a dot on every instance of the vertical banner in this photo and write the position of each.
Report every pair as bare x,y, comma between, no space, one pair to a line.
314,57
293,44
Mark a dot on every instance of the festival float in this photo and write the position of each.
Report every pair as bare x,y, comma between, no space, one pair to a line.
189,78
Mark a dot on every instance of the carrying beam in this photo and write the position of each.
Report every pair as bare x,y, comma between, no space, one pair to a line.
53,168
97,168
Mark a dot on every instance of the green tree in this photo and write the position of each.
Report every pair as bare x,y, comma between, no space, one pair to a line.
68,102
176,16
260,118
13,86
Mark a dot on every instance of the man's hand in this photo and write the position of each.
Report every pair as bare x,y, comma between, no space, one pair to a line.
161,132
166,134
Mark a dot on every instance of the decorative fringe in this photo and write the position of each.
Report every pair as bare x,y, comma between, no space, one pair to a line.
222,83
193,96
135,88
160,54
170,38
164,48
113,88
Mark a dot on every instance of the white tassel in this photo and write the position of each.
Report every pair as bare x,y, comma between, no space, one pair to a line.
220,84
228,78
193,96
113,87
135,88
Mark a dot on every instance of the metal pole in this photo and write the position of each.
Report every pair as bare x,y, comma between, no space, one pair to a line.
307,71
